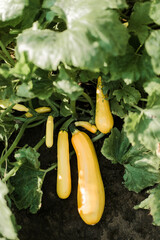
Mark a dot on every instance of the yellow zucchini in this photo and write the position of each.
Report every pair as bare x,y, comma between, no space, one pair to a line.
38,110
49,131
91,194
20,107
63,171
103,118
88,126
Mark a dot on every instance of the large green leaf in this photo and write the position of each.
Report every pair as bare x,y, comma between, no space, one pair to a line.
144,127
153,48
131,67
10,9
7,228
115,146
129,94
90,36
27,185
142,169
152,203
139,20
154,12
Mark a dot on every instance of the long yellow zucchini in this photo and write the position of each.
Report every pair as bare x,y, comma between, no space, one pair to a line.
49,131
103,118
91,194
63,171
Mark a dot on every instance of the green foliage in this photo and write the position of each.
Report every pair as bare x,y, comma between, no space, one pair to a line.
27,188
7,228
51,54
152,203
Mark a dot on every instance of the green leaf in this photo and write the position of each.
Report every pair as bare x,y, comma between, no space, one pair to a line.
117,108
28,156
152,203
152,45
144,127
24,90
66,86
27,185
154,12
129,94
11,9
142,169
90,36
65,108
131,67
115,146
7,228
139,20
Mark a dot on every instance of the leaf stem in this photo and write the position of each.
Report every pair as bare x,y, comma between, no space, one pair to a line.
73,108
67,123
14,144
7,110
99,136
11,172
7,54
54,108
88,98
50,168
138,108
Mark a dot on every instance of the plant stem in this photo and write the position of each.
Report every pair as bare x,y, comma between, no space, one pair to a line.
87,97
40,143
36,124
11,172
143,99
138,108
52,106
99,136
7,54
73,108
7,110
14,144
50,168
67,123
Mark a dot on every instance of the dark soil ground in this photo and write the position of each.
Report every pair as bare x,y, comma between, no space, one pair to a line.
59,219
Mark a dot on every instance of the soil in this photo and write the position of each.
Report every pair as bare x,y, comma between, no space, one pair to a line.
59,219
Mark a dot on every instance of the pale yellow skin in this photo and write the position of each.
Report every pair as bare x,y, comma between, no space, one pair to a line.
39,110
88,126
91,194
63,169
19,107
49,131
103,118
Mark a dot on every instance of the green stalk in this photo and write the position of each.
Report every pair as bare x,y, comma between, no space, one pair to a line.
73,108
88,98
7,110
40,143
99,136
50,168
7,54
66,124
52,106
14,144
11,172
138,108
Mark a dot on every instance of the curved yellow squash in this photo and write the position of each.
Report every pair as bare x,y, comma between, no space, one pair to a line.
49,131
91,194
63,171
88,126
38,110
103,119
